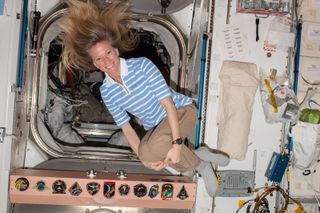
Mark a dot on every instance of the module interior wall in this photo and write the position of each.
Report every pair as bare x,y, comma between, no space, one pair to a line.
263,138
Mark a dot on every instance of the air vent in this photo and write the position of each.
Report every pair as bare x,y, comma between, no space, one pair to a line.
235,183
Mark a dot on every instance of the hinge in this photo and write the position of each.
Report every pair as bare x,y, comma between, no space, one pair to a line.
14,88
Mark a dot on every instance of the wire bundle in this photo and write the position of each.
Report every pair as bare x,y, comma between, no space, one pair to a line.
261,205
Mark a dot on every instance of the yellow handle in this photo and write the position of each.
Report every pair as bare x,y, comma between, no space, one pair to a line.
273,99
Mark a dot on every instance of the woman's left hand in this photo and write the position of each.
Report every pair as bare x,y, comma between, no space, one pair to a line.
174,154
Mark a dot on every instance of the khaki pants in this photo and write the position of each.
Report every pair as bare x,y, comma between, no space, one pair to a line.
155,145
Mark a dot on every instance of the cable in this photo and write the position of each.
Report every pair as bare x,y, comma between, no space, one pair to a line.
312,102
261,204
245,203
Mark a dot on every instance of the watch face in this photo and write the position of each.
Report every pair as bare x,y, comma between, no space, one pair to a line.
178,141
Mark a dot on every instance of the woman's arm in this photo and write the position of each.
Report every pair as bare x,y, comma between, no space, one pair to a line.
131,137
134,141
173,154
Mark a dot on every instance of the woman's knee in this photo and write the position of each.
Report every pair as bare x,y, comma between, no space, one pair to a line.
152,152
146,154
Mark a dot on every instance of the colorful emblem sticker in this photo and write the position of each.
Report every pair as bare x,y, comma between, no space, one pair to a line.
22,184
75,189
93,188
140,190
154,191
167,191
183,194
124,189
59,187
109,189
40,186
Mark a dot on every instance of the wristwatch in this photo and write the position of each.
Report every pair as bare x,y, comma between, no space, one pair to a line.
177,141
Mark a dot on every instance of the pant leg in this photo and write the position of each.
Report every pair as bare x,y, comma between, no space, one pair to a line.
157,142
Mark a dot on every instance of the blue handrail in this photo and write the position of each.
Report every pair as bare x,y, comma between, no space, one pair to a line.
297,58
296,70
22,42
201,85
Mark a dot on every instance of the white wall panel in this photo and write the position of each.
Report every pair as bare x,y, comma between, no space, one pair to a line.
264,138
9,40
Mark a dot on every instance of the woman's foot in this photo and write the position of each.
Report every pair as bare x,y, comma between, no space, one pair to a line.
207,172
214,156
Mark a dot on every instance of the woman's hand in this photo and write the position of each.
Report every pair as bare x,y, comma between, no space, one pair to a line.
155,165
174,154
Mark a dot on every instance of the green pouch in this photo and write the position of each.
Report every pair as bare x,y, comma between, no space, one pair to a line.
310,116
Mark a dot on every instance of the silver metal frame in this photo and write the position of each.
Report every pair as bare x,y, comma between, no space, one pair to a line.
36,78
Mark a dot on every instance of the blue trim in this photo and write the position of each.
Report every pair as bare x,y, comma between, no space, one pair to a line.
296,71
22,42
201,85
1,7
297,58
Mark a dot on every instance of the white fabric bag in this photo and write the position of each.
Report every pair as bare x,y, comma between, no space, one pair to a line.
278,100
239,82
306,145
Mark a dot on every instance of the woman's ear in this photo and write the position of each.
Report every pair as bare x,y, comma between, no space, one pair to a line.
117,51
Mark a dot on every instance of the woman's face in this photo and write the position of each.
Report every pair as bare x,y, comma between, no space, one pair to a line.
106,58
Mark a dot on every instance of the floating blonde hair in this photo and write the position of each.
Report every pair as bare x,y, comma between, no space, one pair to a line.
85,24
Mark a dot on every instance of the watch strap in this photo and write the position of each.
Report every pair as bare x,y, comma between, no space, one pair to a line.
177,141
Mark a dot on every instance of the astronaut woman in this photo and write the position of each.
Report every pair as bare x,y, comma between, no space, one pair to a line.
93,38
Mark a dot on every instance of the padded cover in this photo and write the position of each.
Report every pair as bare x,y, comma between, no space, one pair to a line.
238,85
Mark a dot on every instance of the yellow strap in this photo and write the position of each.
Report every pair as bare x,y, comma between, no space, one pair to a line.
273,99
241,203
288,175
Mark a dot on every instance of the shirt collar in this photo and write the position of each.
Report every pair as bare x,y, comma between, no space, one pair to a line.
123,72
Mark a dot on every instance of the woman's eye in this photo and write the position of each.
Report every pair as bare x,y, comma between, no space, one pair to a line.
109,52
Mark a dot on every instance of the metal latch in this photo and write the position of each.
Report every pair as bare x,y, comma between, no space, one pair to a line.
2,134
122,174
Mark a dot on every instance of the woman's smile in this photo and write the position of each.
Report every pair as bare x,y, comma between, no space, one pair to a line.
106,58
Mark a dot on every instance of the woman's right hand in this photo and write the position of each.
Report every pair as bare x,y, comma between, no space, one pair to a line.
155,165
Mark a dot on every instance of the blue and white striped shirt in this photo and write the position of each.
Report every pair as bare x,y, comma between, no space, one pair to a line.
143,90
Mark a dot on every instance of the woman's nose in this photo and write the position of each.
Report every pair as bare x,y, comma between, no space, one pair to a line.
106,59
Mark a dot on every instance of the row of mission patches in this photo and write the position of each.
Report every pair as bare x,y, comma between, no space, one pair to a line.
139,190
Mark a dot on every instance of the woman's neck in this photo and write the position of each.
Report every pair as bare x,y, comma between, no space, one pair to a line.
118,79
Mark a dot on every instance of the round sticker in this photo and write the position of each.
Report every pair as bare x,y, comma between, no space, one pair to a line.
59,187
22,184
40,186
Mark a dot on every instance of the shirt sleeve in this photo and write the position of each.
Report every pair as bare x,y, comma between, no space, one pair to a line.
155,79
